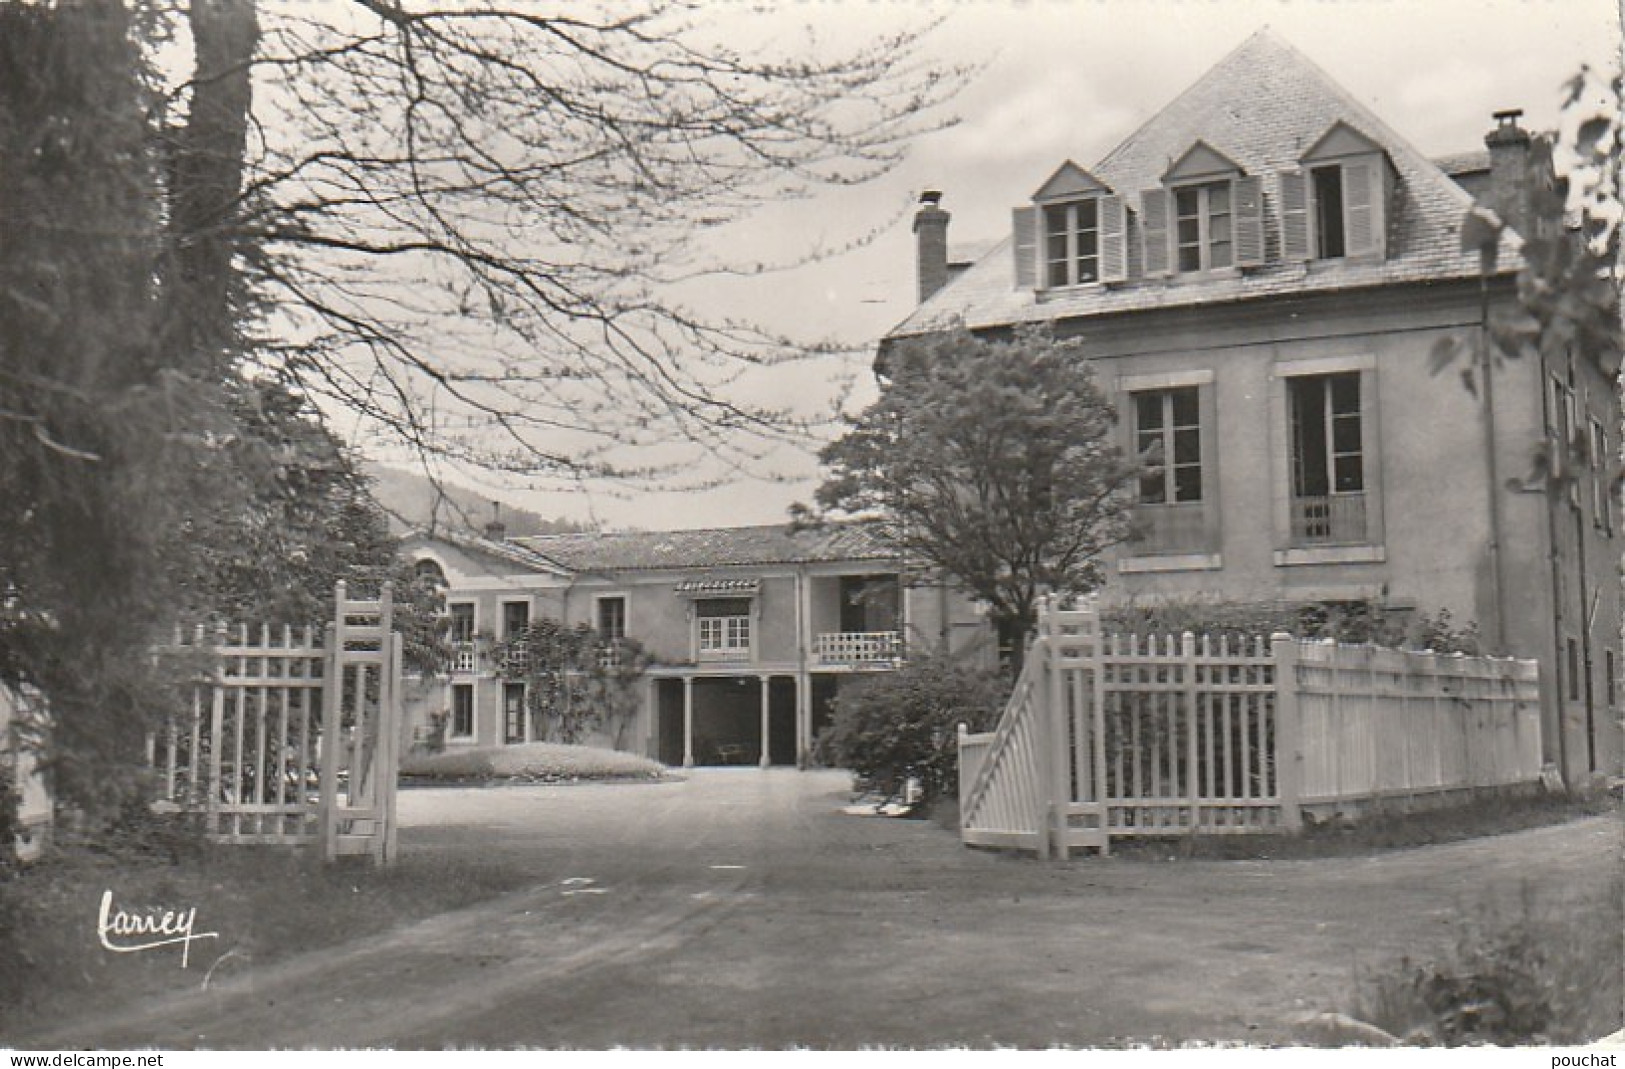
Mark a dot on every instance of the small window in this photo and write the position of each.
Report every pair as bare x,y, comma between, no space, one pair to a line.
1328,194
1072,243
515,617
724,625
1202,232
462,710
430,572
612,619
462,621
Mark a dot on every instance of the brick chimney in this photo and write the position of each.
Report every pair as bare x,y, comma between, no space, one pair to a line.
931,244
496,530
1509,157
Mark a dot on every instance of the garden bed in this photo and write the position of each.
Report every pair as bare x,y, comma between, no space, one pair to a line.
528,763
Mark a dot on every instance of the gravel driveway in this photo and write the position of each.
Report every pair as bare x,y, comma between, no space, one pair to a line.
740,908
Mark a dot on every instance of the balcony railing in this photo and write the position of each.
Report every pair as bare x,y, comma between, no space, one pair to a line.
858,648
1336,519
463,658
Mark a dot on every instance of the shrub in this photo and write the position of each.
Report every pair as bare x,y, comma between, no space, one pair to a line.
1551,974
1345,621
904,724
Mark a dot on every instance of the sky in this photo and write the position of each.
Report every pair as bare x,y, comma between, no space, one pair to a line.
1069,79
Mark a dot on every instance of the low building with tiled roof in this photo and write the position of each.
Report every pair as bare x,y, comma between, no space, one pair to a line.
749,633
1261,274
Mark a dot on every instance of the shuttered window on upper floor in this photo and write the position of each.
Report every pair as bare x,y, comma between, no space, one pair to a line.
1075,233
1206,216
1335,205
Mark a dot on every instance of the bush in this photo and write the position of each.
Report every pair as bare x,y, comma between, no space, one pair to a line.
1551,974
535,762
904,724
1354,622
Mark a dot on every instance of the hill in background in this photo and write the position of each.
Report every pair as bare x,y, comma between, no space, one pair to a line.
412,500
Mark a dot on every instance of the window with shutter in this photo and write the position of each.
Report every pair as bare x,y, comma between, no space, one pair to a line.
1024,246
1337,206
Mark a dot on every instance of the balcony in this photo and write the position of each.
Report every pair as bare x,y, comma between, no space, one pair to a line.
463,658
1331,520
858,649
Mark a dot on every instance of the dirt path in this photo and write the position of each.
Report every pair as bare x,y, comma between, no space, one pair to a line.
740,909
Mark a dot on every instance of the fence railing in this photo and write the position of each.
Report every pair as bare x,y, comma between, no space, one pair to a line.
288,736
1165,736
858,647
1003,800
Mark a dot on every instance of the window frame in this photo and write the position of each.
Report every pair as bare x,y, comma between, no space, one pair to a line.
1290,550
724,636
454,713
1071,235
1203,188
1181,535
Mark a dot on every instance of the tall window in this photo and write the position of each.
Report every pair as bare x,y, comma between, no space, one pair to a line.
1202,221
1328,462
513,712
1328,193
1168,427
462,621
724,626
612,619
515,617
462,710
1072,243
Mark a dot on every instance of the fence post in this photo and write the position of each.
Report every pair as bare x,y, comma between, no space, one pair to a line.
1060,793
1193,695
1288,730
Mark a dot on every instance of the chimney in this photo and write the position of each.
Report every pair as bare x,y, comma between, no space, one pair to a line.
1509,157
496,530
931,244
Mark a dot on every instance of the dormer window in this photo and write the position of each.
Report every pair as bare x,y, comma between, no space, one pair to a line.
1072,243
1208,216
1074,234
1336,207
1202,232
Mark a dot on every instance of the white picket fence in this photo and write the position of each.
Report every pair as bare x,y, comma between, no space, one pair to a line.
291,737
1111,736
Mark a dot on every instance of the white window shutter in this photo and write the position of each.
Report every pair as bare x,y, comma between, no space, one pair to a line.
1154,231
1249,214
1362,211
1113,239
1294,216
1024,225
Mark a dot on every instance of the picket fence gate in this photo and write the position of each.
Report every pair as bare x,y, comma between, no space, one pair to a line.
1111,736
291,737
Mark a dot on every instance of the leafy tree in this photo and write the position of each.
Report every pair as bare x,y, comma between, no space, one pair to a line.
989,460
466,226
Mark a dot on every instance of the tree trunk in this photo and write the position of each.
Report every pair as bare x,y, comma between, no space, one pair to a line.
204,293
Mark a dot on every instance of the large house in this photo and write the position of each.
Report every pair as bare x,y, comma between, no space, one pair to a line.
750,632
1261,272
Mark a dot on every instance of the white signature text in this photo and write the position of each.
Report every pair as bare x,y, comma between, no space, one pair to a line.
170,925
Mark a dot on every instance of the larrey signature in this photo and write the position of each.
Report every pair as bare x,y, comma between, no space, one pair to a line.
119,930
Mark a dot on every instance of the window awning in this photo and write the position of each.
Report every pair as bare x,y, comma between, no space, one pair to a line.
713,588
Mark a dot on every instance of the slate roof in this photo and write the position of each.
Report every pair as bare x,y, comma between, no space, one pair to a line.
1263,106
714,548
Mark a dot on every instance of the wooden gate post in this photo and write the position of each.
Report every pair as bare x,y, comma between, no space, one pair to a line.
1288,730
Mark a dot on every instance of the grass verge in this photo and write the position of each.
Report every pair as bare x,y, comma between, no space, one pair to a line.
1492,814
535,762
1547,973
265,903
